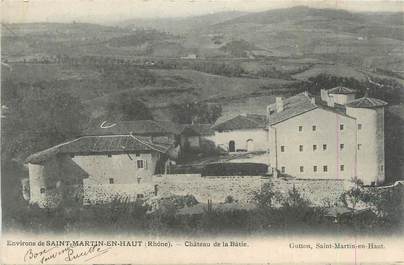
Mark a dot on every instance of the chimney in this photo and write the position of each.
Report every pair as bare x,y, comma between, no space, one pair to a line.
330,102
268,111
324,95
279,104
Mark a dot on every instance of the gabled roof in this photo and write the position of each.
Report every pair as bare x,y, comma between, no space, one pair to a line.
99,145
292,107
139,127
197,130
367,102
240,122
341,90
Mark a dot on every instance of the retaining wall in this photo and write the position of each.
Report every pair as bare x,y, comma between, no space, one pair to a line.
213,188
241,188
104,193
318,192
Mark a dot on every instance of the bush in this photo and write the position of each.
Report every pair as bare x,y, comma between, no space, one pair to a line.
180,201
229,199
266,196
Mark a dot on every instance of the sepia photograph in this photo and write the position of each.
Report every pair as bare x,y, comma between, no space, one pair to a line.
201,119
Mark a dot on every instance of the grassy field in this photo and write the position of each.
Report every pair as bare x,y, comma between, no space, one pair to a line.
166,88
335,69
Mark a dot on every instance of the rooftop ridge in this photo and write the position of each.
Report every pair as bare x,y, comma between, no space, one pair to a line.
341,90
43,155
366,102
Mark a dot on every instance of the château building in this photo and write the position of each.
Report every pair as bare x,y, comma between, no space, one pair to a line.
333,136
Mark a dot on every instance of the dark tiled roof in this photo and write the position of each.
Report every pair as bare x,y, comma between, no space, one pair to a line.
139,127
99,145
292,107
250,121
257,117
197,129
341,90
367,102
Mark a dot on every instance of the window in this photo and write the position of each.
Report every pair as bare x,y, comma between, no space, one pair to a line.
359,126
314,147
341,146
359,146
341,127
283,169
300,128
137,154
139,163
324,147
301,148
111,181
109,155
42,190
314,128
232,146
381,168
282,148
314,168
139,196
325,168
301,169
341,167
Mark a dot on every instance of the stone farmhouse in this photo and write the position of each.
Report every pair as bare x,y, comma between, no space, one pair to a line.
243,133
106,159
333,136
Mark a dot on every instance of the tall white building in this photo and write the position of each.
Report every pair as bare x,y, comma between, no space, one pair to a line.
334,136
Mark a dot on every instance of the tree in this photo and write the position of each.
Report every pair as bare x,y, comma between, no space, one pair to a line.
387,203
266,196
197,112
295,200
353,196
39,118
127,106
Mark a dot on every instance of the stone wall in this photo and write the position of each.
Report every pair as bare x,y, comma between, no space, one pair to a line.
241,188
318,192
104,193
213,188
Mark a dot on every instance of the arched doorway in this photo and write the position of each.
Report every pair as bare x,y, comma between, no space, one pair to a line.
250,145
232,146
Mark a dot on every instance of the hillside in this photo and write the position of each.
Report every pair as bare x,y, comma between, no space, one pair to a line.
265,49
180,25
365,40
333,35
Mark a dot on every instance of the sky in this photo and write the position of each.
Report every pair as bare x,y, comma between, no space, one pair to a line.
105,11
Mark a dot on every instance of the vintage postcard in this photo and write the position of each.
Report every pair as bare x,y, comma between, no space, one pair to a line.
202,132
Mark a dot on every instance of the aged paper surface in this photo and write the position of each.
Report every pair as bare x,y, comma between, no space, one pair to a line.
202,132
